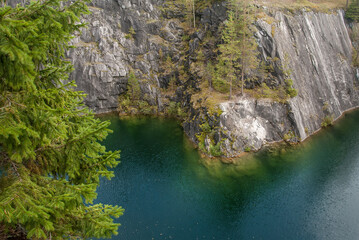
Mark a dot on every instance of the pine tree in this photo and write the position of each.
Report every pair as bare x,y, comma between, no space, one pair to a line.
249,60
238,50
51,159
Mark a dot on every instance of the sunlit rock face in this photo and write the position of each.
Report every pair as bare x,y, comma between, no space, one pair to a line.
316,49
251,123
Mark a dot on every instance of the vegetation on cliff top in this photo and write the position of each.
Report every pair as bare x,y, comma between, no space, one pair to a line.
50,156
353,11
316,5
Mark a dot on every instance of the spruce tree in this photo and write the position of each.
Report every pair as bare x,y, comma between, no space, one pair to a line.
134,89
51,158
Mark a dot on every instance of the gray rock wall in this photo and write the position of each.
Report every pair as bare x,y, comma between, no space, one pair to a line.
320,58
107,51
316,49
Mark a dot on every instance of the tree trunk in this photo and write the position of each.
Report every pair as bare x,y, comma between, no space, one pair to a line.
194,15
242,62
133,94
242,80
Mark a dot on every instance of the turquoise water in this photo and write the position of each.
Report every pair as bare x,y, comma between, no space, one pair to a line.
307,192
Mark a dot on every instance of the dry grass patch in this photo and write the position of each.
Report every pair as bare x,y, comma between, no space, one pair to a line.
209,98
278,95
316,5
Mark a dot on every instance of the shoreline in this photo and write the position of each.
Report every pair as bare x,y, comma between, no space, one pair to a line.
340,117
242,155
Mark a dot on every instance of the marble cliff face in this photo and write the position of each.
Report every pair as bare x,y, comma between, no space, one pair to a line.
317,49
126,36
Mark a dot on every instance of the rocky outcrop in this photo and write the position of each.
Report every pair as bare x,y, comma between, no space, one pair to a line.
250,123
124,36
316,49
121,37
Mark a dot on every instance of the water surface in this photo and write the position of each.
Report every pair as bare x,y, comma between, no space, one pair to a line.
168,192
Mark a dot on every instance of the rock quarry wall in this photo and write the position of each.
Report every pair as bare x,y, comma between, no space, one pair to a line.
121,37
317,50
126,36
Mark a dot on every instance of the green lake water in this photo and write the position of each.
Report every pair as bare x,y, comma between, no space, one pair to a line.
309,191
